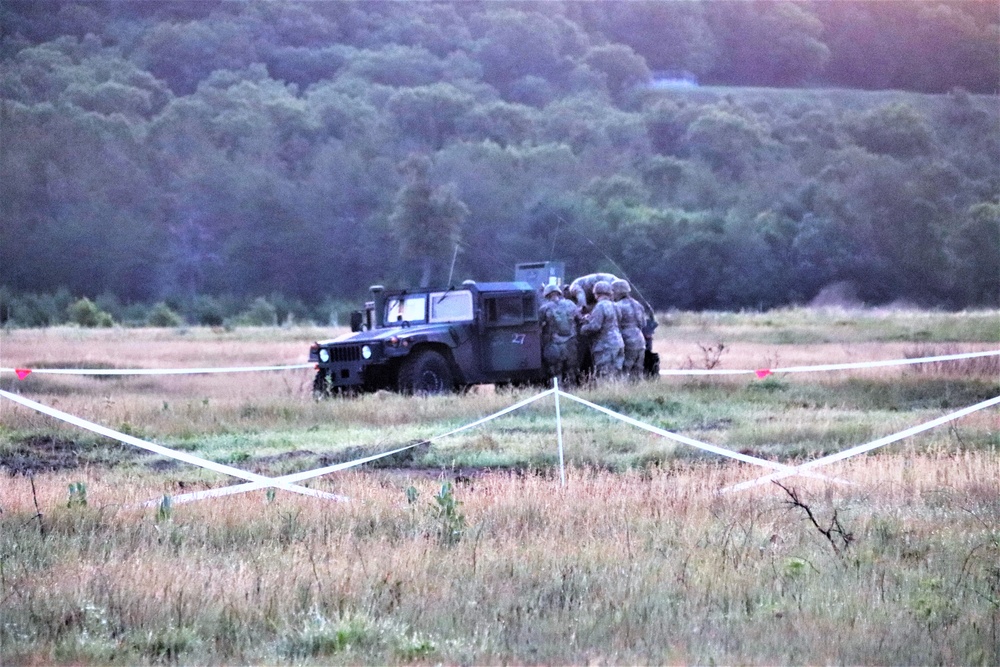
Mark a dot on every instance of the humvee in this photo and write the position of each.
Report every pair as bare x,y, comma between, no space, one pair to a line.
441,340
436,340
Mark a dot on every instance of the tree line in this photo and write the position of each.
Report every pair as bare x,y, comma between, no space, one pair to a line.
176,152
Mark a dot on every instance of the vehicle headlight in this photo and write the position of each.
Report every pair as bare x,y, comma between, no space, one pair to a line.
366,351
324,355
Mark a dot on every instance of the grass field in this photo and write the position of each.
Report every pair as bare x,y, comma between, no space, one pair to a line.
469,550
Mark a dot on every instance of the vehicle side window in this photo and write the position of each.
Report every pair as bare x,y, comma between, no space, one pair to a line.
530,311
505,310
451,306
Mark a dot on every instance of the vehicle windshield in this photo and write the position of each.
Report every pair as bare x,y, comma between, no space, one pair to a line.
449,306
407,308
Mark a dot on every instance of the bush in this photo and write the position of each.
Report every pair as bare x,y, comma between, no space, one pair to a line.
163,315
37,310
207,311
261,313
6,305
85,313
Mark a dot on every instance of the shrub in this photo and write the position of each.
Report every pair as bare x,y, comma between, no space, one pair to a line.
38,310
208,311
85,313
163,315
261,313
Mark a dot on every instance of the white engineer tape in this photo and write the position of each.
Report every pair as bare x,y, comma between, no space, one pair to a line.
861,449
164,451
764,372
760,372
309,474
24,372
693,443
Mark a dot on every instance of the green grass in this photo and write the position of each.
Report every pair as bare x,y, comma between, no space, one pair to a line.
833,325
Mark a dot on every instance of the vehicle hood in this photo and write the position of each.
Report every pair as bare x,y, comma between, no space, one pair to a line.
378,335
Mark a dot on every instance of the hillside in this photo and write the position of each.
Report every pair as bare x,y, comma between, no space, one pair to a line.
207,153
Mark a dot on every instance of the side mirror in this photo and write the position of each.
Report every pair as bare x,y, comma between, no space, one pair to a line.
357,318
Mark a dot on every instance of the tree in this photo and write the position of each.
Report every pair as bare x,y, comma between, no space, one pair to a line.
975,247
622,68
894,129
726,141
668,35
499,122
768,43
514,44
427,219
429,113
396,65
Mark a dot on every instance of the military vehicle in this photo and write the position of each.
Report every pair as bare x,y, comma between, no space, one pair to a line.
440,340
433,341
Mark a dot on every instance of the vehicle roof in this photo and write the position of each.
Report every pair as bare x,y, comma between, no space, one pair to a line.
511,286
518,286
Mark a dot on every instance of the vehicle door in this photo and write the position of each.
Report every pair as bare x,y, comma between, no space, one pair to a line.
512,338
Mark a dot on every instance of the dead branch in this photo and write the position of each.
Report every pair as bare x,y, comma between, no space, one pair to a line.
835,533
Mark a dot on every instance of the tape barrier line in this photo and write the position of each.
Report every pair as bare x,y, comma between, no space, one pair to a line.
165,451
861,449
309,474
721,451
254,486
764,372
24,372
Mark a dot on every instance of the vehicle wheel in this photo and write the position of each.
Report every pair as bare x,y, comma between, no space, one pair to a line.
651,364
322,385
427,372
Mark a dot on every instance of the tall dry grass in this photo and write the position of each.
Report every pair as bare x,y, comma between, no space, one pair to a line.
646,565
643,567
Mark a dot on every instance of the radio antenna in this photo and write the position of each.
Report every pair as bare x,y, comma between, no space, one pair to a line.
451,271
622,273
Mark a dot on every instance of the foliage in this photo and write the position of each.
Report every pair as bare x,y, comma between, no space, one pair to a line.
206,154
163,316
85,313
77,495
451,521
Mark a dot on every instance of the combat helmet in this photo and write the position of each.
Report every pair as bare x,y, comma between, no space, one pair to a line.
551,289
602,287
621,288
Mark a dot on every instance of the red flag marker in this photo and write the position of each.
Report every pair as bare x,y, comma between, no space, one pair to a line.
763,373
22,373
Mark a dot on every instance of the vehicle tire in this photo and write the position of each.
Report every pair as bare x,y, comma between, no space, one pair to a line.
322,385
426,372
651,365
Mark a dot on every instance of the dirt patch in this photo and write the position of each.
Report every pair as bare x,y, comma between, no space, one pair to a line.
294,455
39,455
46,453
402,459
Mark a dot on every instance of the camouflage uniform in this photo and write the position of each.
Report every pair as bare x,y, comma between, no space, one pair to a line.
631,318
607,347
560,319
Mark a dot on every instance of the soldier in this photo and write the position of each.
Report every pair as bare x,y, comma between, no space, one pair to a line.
631,318
560,319
578,296
607,346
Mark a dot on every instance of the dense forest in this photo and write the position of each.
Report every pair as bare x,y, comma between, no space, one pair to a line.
721,155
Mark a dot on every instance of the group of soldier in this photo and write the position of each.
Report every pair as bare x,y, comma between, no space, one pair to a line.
593,325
